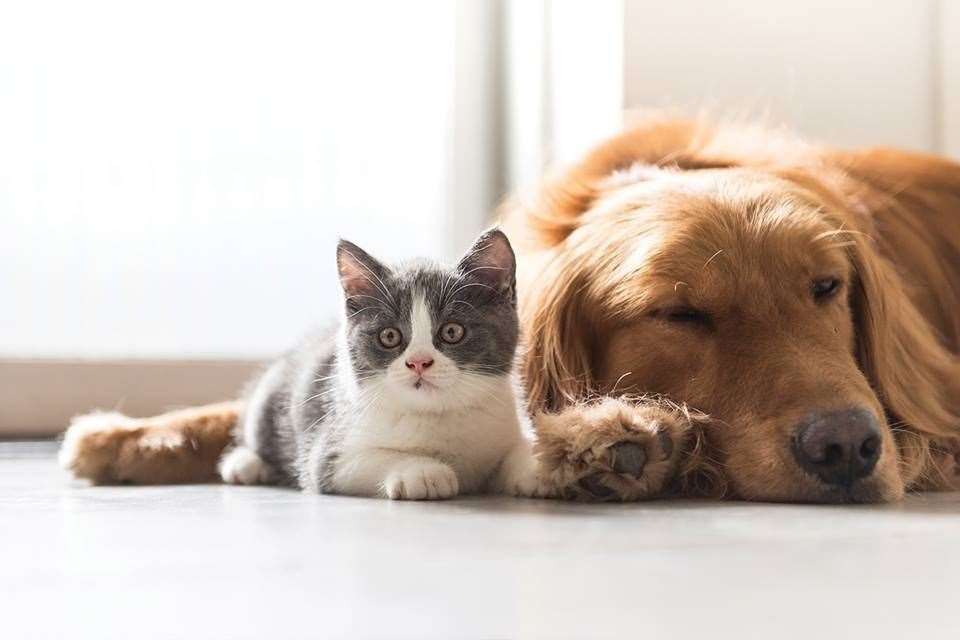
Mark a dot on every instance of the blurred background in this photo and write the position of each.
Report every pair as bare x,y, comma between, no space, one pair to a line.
173,176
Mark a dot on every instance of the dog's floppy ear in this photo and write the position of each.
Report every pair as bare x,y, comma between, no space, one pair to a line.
558,366
913,374
907,200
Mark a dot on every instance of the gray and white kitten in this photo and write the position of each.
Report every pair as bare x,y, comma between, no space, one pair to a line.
410,398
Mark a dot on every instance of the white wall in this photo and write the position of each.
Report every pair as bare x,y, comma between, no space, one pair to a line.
173,176
563,82
948,44
845,72
848,72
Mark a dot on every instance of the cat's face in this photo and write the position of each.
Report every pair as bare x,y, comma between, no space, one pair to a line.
432,338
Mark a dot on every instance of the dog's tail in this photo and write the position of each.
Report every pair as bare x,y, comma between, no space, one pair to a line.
176,447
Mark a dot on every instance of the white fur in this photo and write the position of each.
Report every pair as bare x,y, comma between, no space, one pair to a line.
519,474
242,465
421,329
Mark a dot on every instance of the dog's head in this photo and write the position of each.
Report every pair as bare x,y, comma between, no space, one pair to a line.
757,297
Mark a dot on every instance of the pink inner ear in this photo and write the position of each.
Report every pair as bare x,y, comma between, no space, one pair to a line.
491,260
360,273
354,282
352,277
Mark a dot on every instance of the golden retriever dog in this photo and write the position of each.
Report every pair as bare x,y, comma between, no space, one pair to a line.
708,310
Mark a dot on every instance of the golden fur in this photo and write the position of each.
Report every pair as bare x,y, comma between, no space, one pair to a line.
732,221
737,222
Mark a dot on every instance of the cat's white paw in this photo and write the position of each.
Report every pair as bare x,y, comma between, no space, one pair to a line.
243,466
532,486
422,481
526,481
521,476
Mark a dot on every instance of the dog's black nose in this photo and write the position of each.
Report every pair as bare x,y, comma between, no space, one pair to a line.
839,447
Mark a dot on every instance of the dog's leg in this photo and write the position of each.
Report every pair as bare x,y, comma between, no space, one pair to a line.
611,450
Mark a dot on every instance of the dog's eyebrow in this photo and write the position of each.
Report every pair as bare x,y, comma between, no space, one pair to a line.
710,259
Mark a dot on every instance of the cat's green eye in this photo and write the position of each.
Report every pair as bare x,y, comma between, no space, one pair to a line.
390,337
451,332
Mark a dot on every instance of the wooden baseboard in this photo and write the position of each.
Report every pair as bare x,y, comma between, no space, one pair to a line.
38,397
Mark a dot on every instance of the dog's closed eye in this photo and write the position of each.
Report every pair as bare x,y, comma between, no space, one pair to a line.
683,315
825,288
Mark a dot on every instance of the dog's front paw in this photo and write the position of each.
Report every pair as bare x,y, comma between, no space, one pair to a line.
612,450
421,480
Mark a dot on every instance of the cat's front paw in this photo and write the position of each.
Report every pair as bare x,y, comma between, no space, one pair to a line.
612,450
422,480
532,486
523,477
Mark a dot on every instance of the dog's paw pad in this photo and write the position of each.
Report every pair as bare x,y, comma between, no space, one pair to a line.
593,485
629,458
626,470
620,452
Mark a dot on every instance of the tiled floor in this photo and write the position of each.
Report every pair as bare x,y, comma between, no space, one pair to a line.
207,562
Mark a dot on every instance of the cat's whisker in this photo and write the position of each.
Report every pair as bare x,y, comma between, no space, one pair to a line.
479,388
374,397
484,367
332,376
359,311
382,304
444,288
470,284
316,423
334,389
317,396
478,268
462,302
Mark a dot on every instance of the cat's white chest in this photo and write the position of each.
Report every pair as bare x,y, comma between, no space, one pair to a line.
473,441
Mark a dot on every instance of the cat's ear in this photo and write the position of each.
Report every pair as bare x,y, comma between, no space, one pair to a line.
491,261
360,274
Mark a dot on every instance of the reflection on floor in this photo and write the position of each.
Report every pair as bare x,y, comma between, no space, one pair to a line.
233,562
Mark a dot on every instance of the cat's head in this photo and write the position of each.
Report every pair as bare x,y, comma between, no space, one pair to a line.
432,338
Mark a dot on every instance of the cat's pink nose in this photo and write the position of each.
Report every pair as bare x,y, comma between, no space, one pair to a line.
419,364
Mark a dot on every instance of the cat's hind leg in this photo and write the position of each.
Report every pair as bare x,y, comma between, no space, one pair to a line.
258,433
242,465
